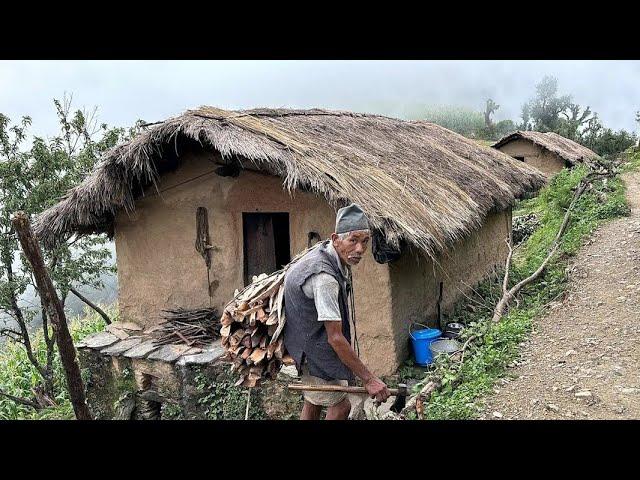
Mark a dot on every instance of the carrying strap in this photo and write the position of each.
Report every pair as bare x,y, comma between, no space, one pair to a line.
352,305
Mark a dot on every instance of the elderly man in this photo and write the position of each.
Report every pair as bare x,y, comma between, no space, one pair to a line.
317,333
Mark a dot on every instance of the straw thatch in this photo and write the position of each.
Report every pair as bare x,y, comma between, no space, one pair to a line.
570,151
415,180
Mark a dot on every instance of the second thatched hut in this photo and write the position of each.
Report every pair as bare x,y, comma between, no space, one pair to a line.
548,152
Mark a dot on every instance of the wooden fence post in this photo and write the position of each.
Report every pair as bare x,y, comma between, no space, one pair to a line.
55,311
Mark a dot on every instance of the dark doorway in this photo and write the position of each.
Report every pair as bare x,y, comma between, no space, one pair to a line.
266,243
519,158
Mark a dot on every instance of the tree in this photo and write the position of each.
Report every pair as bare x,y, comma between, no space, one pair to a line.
31,180
544,109
490,108
548,111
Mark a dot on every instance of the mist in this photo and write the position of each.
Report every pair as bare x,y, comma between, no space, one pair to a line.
125,91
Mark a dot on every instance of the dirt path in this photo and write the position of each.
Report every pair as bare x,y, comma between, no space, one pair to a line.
583,358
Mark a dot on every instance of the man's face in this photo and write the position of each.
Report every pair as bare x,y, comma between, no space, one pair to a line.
351,249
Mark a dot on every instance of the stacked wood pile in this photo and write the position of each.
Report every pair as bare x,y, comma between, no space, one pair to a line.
252,325
194,327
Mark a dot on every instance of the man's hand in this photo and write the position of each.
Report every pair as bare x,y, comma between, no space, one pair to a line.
377,389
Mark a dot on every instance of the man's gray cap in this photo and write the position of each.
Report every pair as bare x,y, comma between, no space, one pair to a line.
350,219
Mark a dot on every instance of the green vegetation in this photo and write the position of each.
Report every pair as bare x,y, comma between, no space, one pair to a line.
35,173
464,121
222,400
548,111
18,376
496,345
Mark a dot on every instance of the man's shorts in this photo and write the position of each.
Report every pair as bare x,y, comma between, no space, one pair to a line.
323,399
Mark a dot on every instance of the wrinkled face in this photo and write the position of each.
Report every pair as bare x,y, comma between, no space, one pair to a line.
351,246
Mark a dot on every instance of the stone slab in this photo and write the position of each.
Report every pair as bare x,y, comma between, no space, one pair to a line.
141,350
121,347
99,340
134,327
207,356
121,334
168,353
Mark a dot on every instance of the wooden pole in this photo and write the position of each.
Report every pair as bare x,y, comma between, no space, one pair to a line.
55,312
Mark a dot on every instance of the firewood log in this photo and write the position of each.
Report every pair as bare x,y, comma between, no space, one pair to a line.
279,350
238,362
273,318
256,340
270,349
257,355
226,319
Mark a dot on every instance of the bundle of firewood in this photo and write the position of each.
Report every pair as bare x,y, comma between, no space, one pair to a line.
194,327
252,325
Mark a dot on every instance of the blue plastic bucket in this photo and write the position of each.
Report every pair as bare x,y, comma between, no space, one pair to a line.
420,341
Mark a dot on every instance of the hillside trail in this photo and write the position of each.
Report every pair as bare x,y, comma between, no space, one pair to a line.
582,360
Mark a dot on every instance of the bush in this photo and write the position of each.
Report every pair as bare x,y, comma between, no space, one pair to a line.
18,376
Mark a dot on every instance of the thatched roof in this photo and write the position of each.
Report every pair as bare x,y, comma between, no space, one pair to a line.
415,180
568,150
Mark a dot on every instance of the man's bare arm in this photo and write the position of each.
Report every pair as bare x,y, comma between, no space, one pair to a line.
341,346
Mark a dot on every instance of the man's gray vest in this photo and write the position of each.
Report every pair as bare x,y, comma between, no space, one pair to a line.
304,335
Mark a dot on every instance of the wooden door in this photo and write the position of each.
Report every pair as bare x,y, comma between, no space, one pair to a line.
266,243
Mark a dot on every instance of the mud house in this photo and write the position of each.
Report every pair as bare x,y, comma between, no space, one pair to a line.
548,152
266,184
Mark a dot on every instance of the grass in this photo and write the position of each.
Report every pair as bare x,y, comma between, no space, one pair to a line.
497,346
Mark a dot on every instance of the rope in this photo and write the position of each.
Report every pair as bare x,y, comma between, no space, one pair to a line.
353,312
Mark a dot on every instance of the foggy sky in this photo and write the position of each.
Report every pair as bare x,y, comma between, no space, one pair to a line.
125,91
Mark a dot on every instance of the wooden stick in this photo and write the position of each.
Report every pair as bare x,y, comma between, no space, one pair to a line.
333,388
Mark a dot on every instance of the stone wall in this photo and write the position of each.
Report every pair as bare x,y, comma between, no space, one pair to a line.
172,386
